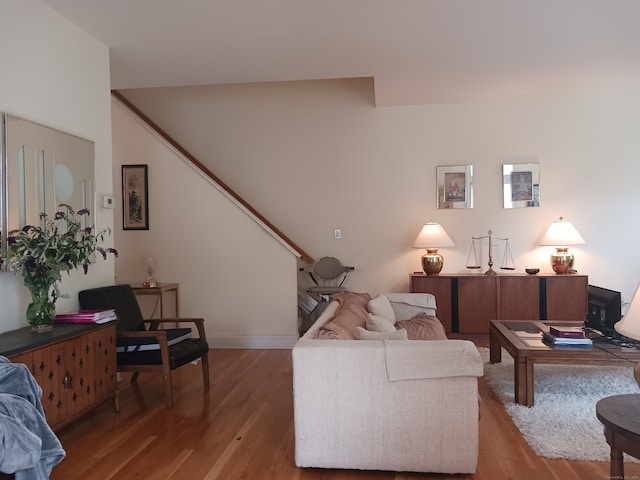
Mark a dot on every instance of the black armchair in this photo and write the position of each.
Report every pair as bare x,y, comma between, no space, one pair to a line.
133,329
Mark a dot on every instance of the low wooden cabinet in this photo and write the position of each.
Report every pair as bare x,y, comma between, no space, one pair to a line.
467,303
75,365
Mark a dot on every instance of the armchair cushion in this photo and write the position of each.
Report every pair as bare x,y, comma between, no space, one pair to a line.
179,354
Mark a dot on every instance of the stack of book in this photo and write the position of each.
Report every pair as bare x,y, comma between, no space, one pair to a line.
566,335
87,316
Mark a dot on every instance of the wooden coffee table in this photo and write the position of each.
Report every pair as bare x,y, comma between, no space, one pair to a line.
518,338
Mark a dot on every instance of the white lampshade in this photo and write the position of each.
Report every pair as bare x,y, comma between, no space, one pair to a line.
433,235
629,325
562,233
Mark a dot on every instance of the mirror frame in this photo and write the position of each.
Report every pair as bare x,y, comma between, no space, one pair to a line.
529,175
31,159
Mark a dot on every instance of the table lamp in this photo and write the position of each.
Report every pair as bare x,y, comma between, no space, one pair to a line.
561,234
432,236
150,267
629,326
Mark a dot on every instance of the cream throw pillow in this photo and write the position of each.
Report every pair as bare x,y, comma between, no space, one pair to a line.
381,306
376,323
396,335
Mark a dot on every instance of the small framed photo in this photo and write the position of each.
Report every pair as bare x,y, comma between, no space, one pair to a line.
455,186
135,198
521,185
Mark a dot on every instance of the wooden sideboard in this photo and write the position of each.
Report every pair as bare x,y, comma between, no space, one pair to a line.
467,303
75,365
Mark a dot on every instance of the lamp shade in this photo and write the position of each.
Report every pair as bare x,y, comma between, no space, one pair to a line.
433,235
562,233
629,325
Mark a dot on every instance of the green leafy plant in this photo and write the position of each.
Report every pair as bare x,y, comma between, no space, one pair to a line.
41,253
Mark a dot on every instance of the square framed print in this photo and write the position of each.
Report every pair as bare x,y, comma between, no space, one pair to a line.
521,185
455,186
135,198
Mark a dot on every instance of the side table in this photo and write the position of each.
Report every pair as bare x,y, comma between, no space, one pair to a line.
620,415
159,291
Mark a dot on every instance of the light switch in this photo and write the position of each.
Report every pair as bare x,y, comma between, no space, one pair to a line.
107,201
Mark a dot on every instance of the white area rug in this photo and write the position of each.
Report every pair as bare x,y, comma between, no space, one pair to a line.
562,423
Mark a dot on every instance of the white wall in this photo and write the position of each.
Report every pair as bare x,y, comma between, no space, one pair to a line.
55,74
230,270
316,156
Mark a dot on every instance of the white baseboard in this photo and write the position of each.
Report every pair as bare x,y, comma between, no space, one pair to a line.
253,342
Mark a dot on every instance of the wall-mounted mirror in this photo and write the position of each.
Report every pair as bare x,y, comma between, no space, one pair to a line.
42,168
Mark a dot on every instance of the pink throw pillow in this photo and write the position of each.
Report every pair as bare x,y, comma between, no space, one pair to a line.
423,327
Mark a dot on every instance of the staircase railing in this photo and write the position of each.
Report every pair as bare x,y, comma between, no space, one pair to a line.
305,257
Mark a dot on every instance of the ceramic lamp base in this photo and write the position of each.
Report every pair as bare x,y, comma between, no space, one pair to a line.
562,261
432,262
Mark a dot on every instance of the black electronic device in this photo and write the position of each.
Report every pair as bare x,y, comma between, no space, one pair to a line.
604,310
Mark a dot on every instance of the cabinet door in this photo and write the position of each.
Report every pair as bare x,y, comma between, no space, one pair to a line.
79,374
440,287
477,303
49,372
519,298
566,297
105,380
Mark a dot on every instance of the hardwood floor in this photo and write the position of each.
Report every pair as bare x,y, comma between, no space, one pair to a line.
243,429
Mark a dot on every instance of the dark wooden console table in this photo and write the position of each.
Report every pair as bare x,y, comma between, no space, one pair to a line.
75,365
468,302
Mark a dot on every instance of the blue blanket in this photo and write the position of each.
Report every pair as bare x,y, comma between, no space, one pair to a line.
30,449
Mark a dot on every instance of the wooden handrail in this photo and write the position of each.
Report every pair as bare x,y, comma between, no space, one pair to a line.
305,256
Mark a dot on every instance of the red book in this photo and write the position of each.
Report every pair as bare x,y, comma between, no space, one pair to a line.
566,332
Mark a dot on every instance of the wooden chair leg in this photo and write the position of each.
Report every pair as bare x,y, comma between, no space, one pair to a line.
134,377
205,371
168,388
168,391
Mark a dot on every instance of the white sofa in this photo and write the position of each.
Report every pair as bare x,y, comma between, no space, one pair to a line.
396,405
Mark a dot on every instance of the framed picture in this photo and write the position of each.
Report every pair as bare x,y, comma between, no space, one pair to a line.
135,198
521,185
455,186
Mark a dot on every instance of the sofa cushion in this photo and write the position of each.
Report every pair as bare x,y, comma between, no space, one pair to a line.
350,314
369,335
423,327
381,306
406,305
376,323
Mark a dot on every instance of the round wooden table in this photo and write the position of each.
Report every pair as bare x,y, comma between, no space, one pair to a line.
620,415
